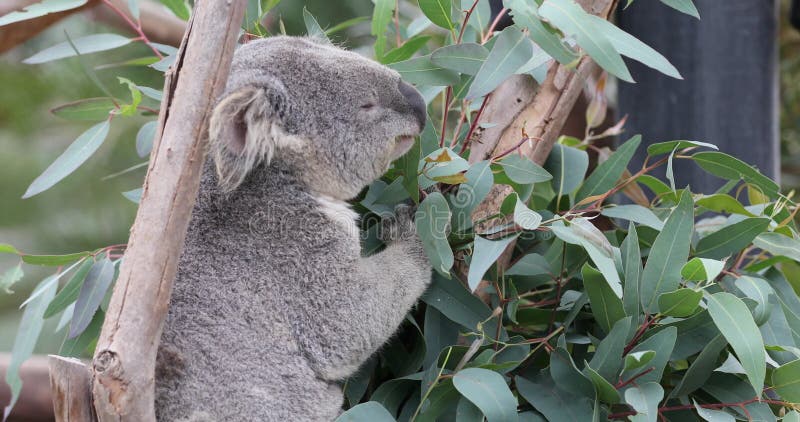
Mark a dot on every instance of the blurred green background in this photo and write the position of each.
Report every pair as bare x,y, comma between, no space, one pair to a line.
85,212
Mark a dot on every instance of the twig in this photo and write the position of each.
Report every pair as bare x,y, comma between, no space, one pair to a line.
136,26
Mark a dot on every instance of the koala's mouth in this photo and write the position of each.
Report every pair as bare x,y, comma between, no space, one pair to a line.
402,144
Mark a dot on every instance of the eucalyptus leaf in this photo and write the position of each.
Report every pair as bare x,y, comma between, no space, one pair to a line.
489,392
433,225
464,58
92,292
42,8
606,175
84,45
75,155
731,239
369,411
511,50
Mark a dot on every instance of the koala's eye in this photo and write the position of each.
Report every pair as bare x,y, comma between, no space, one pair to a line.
368,106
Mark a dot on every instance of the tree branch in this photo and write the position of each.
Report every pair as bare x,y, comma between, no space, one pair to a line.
124,360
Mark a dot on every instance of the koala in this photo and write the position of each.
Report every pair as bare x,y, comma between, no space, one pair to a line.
273,304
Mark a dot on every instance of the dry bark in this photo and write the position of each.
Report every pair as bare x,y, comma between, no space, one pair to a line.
70,381
124,360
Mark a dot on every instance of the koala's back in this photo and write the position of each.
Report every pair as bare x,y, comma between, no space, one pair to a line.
227,352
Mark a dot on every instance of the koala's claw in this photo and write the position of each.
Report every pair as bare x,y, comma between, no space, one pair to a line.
399,226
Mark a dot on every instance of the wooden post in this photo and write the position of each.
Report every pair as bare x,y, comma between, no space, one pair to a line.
124,360
70,382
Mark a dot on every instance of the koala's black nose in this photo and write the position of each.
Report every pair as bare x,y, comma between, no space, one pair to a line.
416,102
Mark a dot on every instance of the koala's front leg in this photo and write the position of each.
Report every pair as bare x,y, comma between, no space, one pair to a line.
381,289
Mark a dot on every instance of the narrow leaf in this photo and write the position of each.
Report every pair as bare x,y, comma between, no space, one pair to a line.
511,50
91,294
84,45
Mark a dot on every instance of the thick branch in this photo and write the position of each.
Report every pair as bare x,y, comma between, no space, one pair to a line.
124,360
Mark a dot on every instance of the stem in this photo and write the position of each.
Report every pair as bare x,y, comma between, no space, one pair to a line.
741,404
514,148
496,21
466,20
633,378
461,119
398,39
474,124
445,112
135,26
559,287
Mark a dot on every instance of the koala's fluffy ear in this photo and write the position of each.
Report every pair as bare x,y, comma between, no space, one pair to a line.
244,131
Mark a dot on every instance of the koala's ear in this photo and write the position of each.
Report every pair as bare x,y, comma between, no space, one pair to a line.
244,131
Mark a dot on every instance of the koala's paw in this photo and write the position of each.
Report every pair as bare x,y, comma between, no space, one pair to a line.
400,226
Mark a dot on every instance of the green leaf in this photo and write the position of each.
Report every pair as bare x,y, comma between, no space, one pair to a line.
731,239
786,381
701,269
133,7
778,244
84,45
605,391
464,58
524,171
582,232
481,15
93,109
438,11
606,175
470,193
644,399
728,167
629,46
568,166
554,403
636,214
727,388
636,360
759,290
669,146
75,155
671,246
312,26
455,302
701,368
485,253
606,306
567,376
405,51
53,260
6,248
36,10
607,358
526,16
432,222
30,326
134,195
524,216
369,411
734,321
393,393
69,293
468,412
723,203
136,98
663,343
530,264
145,138
409,164
632,262
680,303
91,294
440,332
341,26
422,71
178,7
489,392
711,415
10,277
75,347
683,6
571,19
511,50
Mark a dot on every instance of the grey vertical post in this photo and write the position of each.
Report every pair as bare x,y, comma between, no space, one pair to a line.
729,95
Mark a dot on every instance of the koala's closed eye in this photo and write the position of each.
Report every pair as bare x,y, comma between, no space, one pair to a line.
368,106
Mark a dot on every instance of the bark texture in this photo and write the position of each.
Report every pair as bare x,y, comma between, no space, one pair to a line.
124,361
70,384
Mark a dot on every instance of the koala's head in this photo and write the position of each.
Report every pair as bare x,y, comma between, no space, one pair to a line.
335,118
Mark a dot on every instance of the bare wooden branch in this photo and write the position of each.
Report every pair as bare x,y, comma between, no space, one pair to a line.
124,360
70,381
34,403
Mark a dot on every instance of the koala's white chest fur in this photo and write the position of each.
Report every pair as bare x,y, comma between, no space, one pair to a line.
341,214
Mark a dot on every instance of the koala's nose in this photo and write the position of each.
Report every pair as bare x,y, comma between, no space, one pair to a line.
416,102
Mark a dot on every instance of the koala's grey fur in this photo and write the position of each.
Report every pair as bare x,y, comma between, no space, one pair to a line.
273,304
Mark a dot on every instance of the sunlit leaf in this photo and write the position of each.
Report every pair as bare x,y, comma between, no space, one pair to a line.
680,303
778,244
728,167
701,269
438,11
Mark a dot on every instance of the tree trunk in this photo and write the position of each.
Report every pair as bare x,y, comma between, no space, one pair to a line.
124,360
